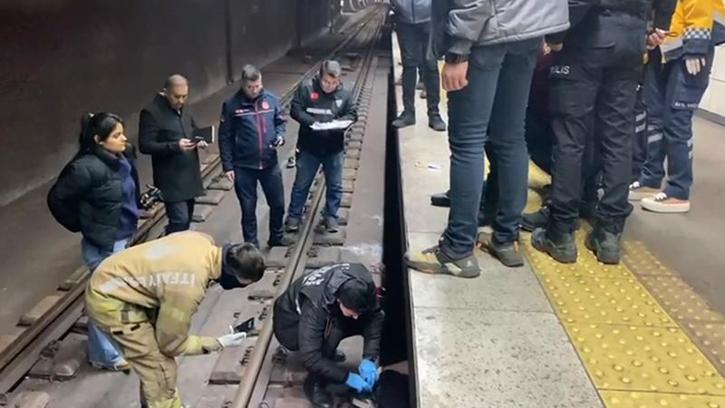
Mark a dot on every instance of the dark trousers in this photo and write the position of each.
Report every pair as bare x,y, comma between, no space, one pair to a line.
593,93
179,214
413,40
671,96
490,111
245,185
639,137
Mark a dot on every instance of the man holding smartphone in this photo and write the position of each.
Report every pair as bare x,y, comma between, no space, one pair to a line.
166,132
250,131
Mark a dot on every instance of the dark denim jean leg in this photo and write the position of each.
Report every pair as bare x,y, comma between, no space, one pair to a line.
271,180
245,185
332,166
307,166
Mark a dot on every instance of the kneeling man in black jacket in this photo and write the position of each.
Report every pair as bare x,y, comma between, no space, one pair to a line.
319,310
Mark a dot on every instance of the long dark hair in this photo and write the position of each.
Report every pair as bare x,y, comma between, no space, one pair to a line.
92,124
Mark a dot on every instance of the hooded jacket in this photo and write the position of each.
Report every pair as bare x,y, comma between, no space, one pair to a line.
88,195
412,11
176,173
248,129
169,274
310,105
314,299
460,25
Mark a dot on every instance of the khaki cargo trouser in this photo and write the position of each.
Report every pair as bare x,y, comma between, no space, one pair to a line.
156,371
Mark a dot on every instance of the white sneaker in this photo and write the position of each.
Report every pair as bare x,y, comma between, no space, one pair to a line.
638,191
660,203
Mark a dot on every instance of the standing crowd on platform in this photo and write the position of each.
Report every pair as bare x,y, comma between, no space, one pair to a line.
599,94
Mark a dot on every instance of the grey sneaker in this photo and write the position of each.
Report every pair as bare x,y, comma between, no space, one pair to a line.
560,246
508,253
292,224
436,123
537,219
434,261
331,225
404,120
283,241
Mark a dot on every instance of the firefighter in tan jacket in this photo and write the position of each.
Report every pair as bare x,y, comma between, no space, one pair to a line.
145,297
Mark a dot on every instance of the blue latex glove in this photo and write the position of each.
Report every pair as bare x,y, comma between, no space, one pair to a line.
369,372
357,383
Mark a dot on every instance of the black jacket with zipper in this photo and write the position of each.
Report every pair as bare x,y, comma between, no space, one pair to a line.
176,173
311,105
312,300
88,195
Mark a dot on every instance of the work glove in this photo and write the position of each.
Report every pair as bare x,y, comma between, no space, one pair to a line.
369,372
357,383
232,340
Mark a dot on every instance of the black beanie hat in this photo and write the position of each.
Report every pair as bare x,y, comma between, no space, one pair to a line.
356,295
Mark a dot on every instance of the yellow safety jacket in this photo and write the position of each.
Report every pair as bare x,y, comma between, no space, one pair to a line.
695,28
168,276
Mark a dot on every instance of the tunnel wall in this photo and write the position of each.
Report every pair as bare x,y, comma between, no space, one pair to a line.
60,58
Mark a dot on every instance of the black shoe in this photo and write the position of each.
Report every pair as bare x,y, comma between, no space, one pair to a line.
436,123
291,162
317,394
423,94
537,219
404,120
560,246
340,357
440,200
605,243
508,253
281,242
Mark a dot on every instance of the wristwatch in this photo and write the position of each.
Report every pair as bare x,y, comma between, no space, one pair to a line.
452,58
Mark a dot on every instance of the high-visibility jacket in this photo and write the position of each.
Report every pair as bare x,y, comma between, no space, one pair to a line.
168,276
696,26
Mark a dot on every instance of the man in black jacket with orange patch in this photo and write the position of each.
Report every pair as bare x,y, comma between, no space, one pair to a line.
319,310
320,101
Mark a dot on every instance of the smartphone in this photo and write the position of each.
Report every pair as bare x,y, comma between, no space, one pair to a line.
246,326
205,134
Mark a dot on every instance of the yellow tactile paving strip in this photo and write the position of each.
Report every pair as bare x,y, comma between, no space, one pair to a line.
633,326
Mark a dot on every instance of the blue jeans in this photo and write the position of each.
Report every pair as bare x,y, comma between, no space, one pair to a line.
671,96
102,351
490,111
245,185
307,166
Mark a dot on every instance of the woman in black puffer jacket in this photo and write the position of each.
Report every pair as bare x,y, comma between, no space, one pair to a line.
97,195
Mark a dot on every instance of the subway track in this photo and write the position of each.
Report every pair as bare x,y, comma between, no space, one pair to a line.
357,51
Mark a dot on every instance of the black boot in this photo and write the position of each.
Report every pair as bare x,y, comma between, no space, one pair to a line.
604,241
405,119
559,245
317,394
435,122
537,219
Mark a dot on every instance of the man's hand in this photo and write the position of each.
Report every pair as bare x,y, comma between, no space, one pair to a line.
554,47
454,76
202,144
230,175
656,38
695,64
186,145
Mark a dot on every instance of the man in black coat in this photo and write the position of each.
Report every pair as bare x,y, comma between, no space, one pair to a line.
319,310
593,88
165,132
